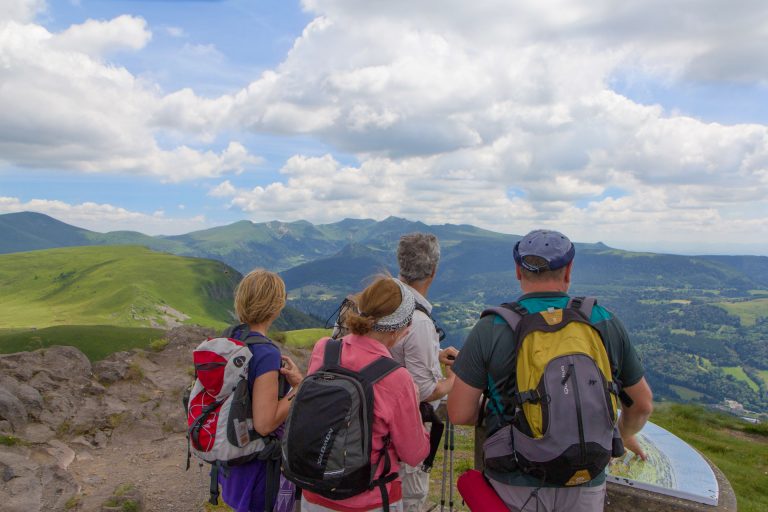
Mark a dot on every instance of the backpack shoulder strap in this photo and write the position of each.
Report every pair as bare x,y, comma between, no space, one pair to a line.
421,308
236,332
332,354
439,330
511,312
242,332
379,369
583,305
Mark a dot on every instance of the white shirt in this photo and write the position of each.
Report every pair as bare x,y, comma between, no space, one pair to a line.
419,351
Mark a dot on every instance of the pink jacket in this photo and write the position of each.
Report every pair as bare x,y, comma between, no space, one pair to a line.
395,413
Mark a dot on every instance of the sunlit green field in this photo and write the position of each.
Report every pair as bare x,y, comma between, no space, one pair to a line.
305,338
738,374
686,393
111,285
747,311
95,341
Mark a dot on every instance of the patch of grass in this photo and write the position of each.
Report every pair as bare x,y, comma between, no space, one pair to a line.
221,507
115,420
686,393
123,489
747,311
738,373
158,345
134,373
9,440
463,459
130,506
684,332
743,459
95,341
305,338
64,428
72,502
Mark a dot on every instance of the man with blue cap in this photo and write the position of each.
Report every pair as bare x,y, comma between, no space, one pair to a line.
487,365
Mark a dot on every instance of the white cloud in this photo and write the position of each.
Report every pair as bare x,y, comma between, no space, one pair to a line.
99,37
495,113
102,217
175,31
223,189
65,107
20,10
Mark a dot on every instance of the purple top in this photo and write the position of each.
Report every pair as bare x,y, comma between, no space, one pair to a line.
244,488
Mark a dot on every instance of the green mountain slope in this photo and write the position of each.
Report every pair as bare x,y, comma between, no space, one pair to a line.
28,231
112,285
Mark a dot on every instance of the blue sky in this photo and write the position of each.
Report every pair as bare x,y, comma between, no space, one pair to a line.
645,126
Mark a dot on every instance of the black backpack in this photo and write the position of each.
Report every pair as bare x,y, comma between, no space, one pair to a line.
328,434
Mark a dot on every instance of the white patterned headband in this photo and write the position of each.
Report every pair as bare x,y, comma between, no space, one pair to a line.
402,316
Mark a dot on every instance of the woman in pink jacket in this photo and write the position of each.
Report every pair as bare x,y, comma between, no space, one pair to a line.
384,312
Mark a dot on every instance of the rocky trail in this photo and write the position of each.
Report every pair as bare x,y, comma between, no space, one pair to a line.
108,436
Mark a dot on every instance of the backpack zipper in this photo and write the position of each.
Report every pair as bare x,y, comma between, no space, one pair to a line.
582,443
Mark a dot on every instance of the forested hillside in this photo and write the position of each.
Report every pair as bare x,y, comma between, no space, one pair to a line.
700,322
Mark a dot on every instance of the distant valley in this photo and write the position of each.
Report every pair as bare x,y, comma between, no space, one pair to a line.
700,323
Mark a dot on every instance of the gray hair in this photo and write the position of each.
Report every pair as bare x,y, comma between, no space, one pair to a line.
417,255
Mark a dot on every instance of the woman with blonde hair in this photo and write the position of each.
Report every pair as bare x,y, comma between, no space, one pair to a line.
380,318
259,299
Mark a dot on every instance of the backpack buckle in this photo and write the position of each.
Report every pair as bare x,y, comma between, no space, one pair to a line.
532,396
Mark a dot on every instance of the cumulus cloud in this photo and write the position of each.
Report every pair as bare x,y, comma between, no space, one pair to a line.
64,106
98,37
503,114
494,113
20,10
103,217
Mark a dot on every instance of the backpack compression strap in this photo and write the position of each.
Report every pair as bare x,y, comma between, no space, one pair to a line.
386,476
584,305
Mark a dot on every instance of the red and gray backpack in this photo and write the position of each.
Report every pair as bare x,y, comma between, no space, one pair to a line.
219,412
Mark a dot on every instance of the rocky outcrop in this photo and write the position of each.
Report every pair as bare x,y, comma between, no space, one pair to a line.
31,481
72,432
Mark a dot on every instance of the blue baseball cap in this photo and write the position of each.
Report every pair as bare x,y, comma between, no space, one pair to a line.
544,243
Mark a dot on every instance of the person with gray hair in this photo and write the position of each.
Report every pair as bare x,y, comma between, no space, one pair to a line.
419,350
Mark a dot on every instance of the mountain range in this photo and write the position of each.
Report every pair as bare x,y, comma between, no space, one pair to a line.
700,322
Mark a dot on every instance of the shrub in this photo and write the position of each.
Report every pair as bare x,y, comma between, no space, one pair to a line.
158,345
72,502
9,440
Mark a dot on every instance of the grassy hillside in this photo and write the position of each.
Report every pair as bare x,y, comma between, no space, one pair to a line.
27,231
305,338
738,448
95,341
112,285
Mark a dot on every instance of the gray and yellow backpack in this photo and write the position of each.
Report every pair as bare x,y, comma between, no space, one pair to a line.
564,430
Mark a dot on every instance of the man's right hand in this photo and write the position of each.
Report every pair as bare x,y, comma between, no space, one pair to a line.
448,356
631,443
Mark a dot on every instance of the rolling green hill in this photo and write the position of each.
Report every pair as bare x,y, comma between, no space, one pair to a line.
28,231
677,309
113,285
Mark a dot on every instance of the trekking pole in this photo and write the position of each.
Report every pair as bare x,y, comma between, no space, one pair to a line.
450,492
445,463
